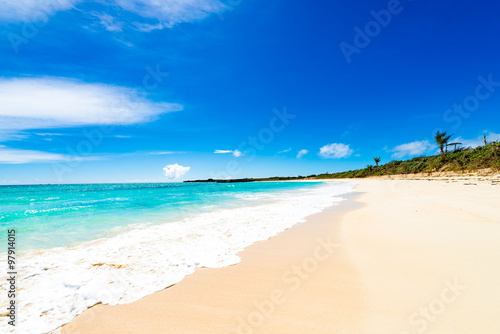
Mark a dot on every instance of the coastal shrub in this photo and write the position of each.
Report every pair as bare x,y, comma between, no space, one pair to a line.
459,160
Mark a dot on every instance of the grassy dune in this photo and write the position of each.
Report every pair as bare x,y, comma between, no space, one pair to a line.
482,157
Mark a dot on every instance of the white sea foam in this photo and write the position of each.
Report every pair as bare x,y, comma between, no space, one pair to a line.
60,283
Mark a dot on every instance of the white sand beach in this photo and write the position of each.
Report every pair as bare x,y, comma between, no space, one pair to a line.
403,256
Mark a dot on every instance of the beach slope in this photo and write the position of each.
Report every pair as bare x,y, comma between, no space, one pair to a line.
400,256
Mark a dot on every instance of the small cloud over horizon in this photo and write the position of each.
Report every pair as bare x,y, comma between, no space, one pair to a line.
235,153
335,151
301,153
411,149
175,171
161,152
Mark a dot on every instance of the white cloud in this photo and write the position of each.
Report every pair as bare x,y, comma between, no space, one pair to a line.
161,153
285,151
19,156
32,10
15,156
27,103
335,151
109,22
411,149
148,14
166,14
131,154
175,171
6,135
235,153
45,134
302,153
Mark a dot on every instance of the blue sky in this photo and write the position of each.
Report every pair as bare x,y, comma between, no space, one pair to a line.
136,91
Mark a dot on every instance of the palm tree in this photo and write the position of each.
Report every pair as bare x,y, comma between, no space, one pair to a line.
442,140
377,160
484,139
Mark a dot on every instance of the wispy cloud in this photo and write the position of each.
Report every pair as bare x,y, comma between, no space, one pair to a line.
302,153
161,153
235,153
335,151
15,156
175,171
165,14
105,156
45,134
143,15
21,156
32,10
411,149
108,21
42,103
285,151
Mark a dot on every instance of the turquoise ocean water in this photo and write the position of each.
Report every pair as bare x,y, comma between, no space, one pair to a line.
80,245
46,216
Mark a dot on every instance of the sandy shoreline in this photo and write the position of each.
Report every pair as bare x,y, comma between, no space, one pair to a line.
405,257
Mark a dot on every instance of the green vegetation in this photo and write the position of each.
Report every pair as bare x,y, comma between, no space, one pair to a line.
461,159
